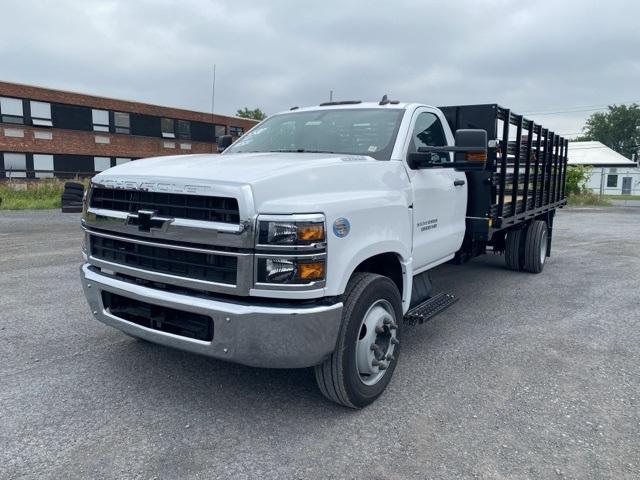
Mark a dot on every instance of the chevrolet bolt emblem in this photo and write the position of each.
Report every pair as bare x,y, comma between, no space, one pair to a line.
146,220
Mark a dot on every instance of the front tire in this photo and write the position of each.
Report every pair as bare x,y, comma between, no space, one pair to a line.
361,367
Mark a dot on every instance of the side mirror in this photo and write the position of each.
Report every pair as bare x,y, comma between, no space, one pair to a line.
224,142
470,153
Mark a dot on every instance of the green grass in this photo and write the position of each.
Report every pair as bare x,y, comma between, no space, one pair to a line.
622,197
587,199
43,194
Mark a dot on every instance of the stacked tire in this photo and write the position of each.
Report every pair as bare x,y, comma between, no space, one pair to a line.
72,197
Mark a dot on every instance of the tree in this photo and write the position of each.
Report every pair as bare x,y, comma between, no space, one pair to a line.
618,128
577,177
255,114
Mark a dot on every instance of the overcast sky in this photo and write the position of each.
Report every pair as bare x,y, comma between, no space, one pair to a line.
537,56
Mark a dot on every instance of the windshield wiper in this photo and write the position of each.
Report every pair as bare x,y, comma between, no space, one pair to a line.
301,150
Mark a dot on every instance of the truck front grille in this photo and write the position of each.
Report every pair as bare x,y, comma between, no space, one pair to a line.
156,317
193,265
173,205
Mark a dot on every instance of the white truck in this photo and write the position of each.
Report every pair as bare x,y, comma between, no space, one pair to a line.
308,242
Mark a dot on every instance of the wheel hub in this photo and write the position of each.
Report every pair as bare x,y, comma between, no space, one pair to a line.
376,342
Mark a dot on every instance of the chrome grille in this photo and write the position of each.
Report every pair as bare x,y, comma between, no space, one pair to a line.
175,205
196,265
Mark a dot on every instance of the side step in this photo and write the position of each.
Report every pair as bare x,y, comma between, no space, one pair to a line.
429,308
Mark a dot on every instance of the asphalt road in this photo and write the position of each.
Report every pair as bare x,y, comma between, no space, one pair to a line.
527,376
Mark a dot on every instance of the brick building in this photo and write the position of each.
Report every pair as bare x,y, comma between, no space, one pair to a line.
45,132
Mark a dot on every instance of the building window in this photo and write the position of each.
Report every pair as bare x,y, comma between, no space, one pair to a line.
43,165
220,130
168,128
41,114
184,129
612,181
122,122
14,132
100,120
169,144
101,163
11,110
236,131
120,160
15,165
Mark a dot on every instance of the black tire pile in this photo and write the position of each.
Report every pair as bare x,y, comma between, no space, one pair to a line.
72,197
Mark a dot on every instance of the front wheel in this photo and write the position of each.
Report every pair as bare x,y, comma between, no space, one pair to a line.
361,367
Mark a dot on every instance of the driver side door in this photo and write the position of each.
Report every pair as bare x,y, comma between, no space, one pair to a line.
439,195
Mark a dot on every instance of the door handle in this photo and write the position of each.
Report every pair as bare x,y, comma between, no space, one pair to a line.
458,183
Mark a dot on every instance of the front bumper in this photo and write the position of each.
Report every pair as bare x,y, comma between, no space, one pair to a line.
255,335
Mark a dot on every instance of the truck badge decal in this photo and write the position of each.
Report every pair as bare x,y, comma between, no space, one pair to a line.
341,227
146,220
427,224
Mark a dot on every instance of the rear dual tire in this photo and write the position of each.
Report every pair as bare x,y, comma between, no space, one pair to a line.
527,249
369,335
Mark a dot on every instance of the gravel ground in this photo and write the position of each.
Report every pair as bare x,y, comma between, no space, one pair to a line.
527,376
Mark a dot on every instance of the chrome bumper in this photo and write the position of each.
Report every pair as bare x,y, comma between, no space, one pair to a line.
260,336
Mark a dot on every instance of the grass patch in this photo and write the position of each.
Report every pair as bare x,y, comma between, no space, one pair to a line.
587,199
36,195
622,197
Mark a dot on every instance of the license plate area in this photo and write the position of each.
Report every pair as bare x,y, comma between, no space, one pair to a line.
160,318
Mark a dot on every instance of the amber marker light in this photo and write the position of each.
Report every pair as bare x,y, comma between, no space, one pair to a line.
312,232
311,271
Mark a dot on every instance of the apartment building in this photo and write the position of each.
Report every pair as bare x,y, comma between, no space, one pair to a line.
47,133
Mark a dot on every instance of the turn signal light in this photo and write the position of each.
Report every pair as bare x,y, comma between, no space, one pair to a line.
475,156
311,271
311,232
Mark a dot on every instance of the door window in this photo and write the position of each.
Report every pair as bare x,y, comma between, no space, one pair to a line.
428,132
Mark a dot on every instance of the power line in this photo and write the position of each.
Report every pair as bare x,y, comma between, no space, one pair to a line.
580,109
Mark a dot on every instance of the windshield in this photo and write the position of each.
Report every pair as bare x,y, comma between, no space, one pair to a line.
358,131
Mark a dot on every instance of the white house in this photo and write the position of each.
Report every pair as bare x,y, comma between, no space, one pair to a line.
609,172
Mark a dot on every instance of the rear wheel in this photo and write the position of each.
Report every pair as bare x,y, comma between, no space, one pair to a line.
535,246
513,251
360,368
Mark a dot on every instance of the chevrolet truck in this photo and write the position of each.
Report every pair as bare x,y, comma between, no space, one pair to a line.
308,242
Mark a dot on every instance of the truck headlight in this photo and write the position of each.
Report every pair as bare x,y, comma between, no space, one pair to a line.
290,270
291,232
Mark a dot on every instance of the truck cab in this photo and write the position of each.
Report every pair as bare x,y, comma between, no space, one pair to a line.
307,242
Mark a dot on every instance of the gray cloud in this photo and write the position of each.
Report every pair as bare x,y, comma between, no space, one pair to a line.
532,57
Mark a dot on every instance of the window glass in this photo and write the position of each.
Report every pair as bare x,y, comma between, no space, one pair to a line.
101,163
357,131
236,131
184,129
219,131
428,132
43,162
122,122
612,181
120,160
168,130
100,120
13,162
41,110
11,106
11,110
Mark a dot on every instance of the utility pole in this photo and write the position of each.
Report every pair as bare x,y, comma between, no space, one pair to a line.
213,118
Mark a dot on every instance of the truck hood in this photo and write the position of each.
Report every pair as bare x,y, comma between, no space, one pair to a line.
279,182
